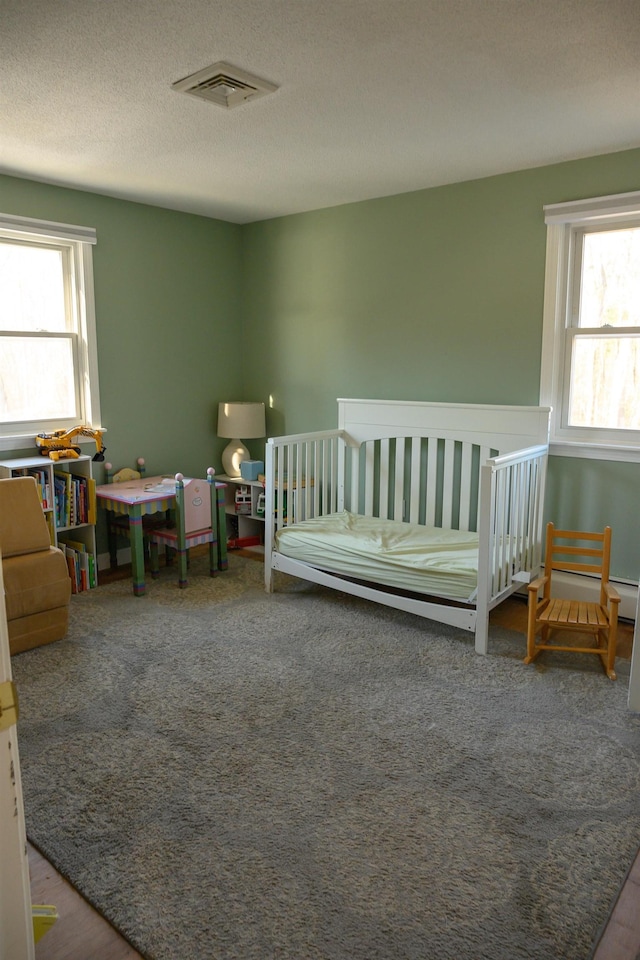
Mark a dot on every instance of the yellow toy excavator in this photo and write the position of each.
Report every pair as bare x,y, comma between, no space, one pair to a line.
59,444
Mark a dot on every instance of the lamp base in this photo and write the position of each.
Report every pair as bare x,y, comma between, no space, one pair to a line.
232,456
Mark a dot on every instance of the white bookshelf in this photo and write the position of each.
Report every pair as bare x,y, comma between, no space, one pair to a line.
71,518
244,507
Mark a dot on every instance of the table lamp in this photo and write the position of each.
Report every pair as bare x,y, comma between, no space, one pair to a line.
237,420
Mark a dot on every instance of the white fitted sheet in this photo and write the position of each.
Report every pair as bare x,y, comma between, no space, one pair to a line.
408,556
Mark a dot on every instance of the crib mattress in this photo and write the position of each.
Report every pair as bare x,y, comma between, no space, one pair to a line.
408,556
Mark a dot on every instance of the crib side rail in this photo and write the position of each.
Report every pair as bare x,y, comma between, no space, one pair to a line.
304,478
512,490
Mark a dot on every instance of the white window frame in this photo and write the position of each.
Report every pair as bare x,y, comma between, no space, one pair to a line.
78,241
564,222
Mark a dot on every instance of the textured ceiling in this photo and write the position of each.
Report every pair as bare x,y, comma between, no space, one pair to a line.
376,97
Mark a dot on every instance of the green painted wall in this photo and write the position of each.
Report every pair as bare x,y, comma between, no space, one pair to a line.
589,494
168,319
434,295
169,329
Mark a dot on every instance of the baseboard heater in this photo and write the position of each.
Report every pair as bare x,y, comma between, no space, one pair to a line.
573,586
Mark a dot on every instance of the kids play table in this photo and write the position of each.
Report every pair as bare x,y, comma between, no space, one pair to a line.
140,498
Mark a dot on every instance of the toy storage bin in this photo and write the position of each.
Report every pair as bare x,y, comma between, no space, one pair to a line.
251,469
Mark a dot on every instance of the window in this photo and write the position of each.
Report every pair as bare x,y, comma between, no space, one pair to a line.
48,358
591,337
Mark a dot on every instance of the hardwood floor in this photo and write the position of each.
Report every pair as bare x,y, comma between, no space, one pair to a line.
620,940
82,934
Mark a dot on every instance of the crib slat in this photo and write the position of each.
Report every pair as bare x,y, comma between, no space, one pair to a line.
322,481
329,470
513,518
517,525
308,487
333,460
447,490
369,457
414,494
340,453
465,486
512,536
326,479
277,472
535,515
282,479
432,481
398,483
528,473
495,558
501,530
289,482
317,486
532,514
354,455
292,483
298,504
383,496
528,555
529,515
507,478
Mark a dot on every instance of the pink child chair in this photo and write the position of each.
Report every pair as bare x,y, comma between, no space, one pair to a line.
195,523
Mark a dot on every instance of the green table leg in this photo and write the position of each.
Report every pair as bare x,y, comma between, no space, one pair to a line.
137,550
223,562
112,541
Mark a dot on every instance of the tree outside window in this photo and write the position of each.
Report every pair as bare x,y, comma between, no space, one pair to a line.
591,340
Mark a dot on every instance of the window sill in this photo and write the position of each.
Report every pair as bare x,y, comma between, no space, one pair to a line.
594,451
27,441
17,442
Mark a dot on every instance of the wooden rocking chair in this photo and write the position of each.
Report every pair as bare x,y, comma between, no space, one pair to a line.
587,553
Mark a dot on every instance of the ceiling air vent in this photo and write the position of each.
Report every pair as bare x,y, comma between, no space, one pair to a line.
225,85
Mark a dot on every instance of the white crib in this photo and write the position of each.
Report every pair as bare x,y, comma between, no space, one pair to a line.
466,467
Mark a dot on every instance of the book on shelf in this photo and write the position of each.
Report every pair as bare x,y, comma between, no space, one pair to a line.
41,478
62,484
70,556
93,577
81,564
75,499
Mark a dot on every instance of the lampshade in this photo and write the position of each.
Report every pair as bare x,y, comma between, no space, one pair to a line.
237,421
245,420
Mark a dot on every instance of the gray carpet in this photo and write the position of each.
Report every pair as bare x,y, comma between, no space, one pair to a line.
232,776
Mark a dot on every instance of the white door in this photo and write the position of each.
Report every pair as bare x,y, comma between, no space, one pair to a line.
16,925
